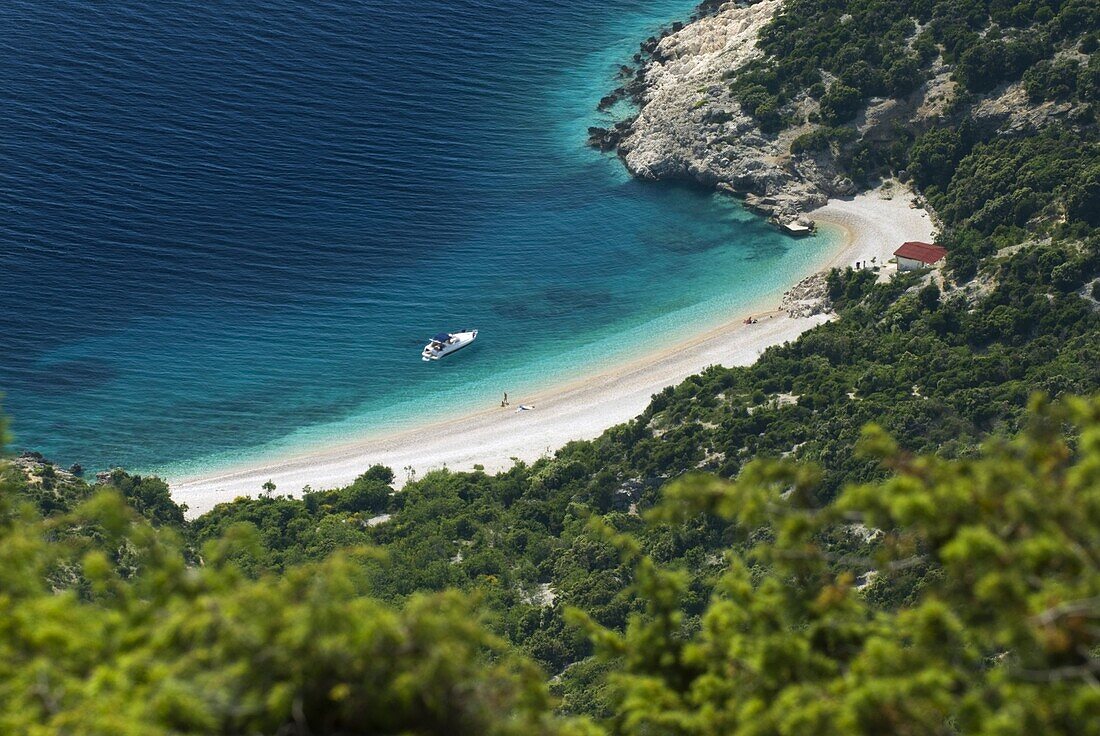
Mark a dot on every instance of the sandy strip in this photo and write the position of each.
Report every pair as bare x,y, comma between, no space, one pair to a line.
876,223
495,438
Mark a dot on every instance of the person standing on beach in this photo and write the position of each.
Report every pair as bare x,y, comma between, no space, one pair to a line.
505,401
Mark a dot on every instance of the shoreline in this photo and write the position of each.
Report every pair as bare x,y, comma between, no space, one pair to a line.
873,225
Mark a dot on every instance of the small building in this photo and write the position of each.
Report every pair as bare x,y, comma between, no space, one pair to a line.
915,255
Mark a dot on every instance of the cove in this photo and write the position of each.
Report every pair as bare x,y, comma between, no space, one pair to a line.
229,230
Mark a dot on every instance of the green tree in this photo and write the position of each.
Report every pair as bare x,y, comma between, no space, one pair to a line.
929,297
1001,635
172,649
840,103
150,497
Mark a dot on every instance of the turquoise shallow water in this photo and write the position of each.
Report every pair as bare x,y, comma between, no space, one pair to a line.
228,231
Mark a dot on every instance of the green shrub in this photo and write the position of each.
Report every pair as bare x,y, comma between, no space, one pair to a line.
840,103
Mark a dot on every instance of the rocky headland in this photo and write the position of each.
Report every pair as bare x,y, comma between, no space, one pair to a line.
690,127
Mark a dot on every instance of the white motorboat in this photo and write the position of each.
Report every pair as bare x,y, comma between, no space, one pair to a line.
446,343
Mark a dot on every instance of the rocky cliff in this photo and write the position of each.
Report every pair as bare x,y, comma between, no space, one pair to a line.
690,127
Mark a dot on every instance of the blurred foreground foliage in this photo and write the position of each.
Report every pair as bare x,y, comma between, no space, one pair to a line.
1004,638
108,626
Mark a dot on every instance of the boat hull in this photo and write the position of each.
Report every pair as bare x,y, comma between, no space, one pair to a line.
457,341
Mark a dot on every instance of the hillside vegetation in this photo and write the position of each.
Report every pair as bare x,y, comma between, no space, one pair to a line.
971,608
869,531
845,53
989,107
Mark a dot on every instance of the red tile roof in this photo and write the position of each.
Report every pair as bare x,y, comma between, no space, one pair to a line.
923,252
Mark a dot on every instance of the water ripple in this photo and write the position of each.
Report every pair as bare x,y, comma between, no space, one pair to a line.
226,224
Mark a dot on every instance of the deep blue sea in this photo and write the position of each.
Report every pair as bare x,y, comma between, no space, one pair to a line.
227,229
